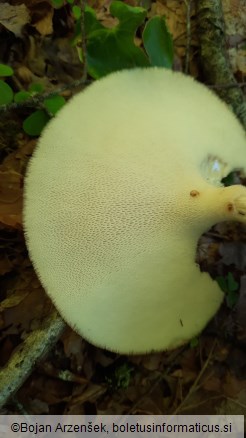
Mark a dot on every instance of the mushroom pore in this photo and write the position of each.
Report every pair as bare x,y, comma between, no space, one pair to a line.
122,183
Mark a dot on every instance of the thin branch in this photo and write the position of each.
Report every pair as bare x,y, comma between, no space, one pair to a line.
197,380
37,100
188,35
202,402
228,86
23,361
83,38
171,361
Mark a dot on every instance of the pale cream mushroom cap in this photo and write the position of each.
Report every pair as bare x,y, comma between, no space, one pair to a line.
120,187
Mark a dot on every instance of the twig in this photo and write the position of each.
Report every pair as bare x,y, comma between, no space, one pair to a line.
188,35
228,86
35,346
175,354
202,402
83,38
36,100
198,378
242,405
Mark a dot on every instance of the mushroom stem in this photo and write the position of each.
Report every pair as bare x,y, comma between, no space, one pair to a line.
212,205
240,206
233,202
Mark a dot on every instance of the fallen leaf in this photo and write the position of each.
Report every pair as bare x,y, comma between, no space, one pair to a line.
14,18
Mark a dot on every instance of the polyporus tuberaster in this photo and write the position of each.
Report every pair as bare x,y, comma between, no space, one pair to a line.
122,184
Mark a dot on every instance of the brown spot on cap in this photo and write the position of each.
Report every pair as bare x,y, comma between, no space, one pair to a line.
194,193
230,206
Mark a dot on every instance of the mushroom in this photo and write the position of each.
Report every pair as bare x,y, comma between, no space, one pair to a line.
120,187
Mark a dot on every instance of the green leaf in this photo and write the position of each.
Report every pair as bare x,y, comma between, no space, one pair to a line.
158,42
194,342
232,284
114,49
91,25
57,3
222,283
231,288
229,179
76,12
91,22
232,299
36,88
53,104
70,2
34,124
233,291
5,70
120,377
21,96
6,93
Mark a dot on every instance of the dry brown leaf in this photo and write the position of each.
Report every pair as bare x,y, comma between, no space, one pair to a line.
24,313
241,305
235,406
11,198
45,25
5,264
13,300
234,253
24,74
214,383
89,394
152,362
232,386
14,18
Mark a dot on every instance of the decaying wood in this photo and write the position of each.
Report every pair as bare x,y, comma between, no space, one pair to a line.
214,56
32,350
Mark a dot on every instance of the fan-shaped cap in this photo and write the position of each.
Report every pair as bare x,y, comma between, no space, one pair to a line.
121,185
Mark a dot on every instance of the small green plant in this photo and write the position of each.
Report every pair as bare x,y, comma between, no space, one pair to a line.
34,124
6,92
231,288
107,50
111,49
120,378
58,3
194,342
158,42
